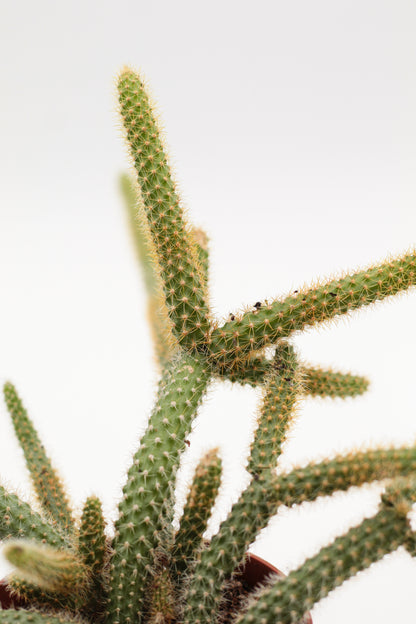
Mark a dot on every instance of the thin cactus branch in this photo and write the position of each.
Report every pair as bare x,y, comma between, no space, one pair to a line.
282,389
266,324
316,381
197,511
46,482
157,313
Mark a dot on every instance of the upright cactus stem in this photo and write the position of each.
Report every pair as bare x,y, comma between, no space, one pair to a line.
46,482
197,511
269,322
282,390
175,247
147,506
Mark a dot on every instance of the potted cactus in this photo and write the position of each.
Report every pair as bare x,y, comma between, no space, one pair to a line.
147,572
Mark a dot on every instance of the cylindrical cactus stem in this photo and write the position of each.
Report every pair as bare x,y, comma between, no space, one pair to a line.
173,243
147,503
269,322
17,519
14,616
282,389
285,601
316,381
201,243
162,607
45,480
57,571
160,324
197,511
320,382
260,501
91,539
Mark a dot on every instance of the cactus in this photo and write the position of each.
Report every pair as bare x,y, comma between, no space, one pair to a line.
148,572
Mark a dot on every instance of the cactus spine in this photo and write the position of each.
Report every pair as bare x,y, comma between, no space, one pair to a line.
147,573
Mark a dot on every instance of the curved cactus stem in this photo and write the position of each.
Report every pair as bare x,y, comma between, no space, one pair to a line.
316,381
259,503
147,504
232,343
286,600
197,510
14,616
282,389
17,519
177,255
157,313
58,571
46,482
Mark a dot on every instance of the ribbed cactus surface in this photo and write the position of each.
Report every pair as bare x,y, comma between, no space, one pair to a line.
146,569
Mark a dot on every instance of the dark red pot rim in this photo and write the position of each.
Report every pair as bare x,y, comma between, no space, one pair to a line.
255,571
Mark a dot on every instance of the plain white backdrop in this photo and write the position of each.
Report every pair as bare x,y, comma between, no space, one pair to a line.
291,126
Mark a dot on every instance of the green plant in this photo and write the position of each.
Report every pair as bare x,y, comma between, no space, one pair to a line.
147,572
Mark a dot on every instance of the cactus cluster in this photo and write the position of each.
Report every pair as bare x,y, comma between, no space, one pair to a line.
146,571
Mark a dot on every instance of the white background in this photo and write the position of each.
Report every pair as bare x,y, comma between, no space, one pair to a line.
293,134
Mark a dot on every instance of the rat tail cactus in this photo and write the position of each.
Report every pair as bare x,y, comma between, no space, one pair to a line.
148,572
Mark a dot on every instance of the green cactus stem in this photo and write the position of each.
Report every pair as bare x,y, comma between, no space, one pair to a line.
46,482
282,389
14,616
58,571
316,381
157,313
197,511
17,519
285,601
147,504
177,255
259,503
266,324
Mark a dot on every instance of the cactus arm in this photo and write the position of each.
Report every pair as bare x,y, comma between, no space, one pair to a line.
17,519
282,389
235,340
46,482
91,539
316,381
157,313
146,507
173,243
259,503
286,600
197,510
14,616
320,382
57,571
92,549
